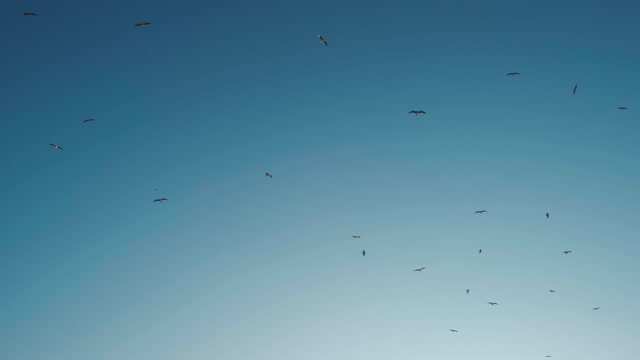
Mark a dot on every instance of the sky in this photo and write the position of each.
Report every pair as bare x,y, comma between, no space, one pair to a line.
200,104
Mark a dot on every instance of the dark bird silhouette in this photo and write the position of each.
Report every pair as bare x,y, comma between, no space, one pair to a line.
322,40
552,291
453,330
364,253
268,175
160,200
417,112
596,308
492,303
56,146
547,215
480,211
422,268
88,120
30,14
480,251
142,24
622,108
467,291
548,356
567,252
355,236
574,89
513,73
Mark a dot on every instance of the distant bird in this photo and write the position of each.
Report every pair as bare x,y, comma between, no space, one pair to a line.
88,120
322,40
547,215
548,356
480,251
417,112
596,308
513,73
453,330
422,268
480,211
56,146
268,175
30,14
552,291
364,253
492,303
160,200
355,236
622,108
574,89
467,291
143,24
567,252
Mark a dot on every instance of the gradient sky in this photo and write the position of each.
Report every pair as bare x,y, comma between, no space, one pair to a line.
239,266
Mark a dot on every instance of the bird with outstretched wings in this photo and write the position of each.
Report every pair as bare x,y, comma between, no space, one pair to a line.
160,200
575,88
567,252
268,175
142,24
513,73
417,112
492,303
480,211
30,14
322,40
55,146
422,268
622,107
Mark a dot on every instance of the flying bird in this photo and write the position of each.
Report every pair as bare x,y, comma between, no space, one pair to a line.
552,291
363,253
268,175
30,14
143,24
417,112
88,120
574,89
548,356
355,236
453,330
480,251
622,108
322,40
596,308
492,303
422,268
160,200
56,146
547,215
513,73
567,252
480,211
467,291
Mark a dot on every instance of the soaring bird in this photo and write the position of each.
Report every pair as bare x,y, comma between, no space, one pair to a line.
548,356
56,146
88,120
492,303
160,200
567,252
552,291
268,175
467,291
142,24
453,330
417,112
547,215
422,268
574,89
364,253
513,73
596,308
355,236
322,40
30,14
622,108
480,211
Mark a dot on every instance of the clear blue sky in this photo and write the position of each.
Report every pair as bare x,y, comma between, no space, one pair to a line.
239,266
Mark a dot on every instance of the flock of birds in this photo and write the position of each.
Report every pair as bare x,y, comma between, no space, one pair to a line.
415,112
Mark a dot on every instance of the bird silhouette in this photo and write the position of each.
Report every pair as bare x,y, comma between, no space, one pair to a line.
322,40
142,24
567,252
364,253
417,112
87,120
355,236
574,89
467,291
548,356
552,291
513,73
480,251
596,308
622,108
422,268
268,175
160,200
453,330
480,211
56,146
547,215
30,14
492,303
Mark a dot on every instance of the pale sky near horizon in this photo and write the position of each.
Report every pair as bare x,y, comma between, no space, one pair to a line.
235,265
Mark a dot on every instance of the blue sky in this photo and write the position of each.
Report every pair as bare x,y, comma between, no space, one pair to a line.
239,266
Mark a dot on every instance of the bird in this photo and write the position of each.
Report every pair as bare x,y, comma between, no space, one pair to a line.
567,252
30,14
422,268
143,24
480,251
467,291
417,112
453,330
548,356
547,215
574,89
622,108
87,120
160,200
480,211
513,73
355,236
552,291
56,146
322,40
492,303
363,253
596,308
268,175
